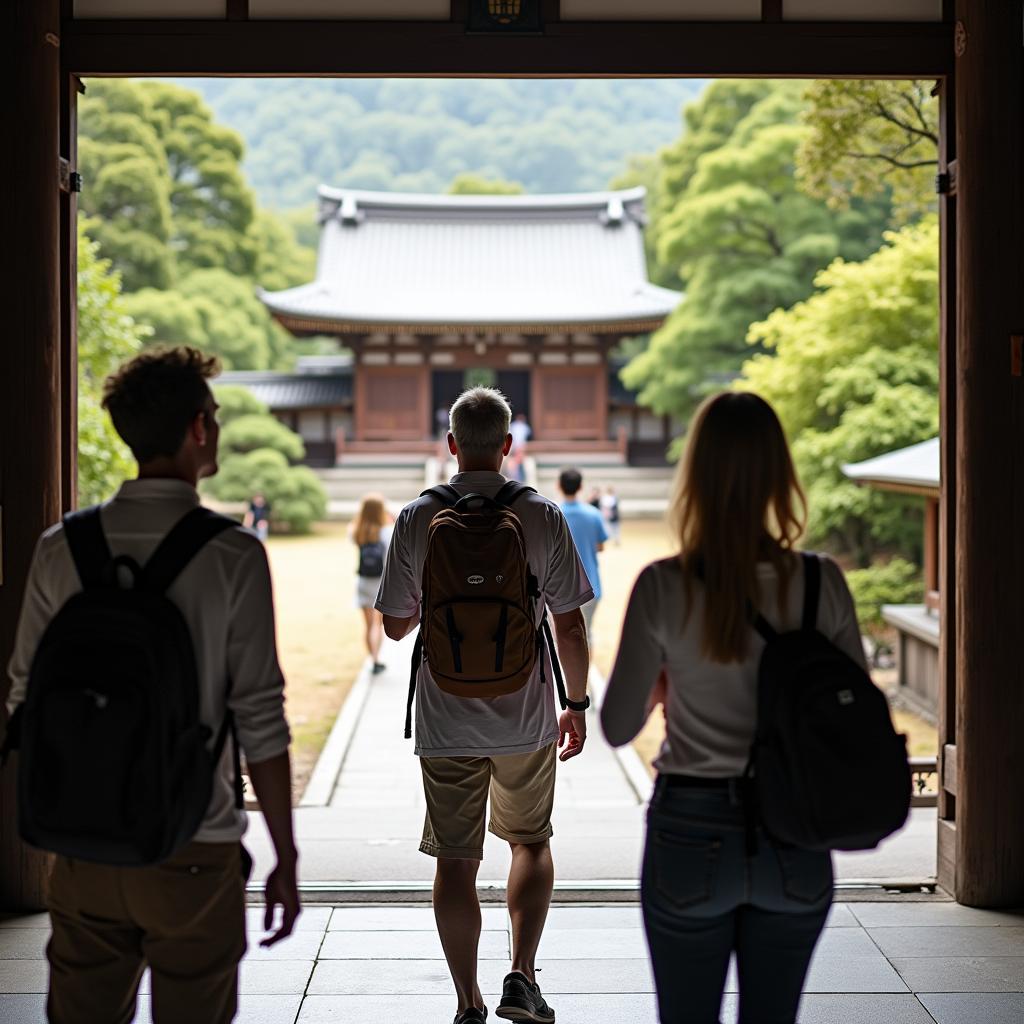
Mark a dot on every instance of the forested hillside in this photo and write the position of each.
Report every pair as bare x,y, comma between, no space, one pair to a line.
417,135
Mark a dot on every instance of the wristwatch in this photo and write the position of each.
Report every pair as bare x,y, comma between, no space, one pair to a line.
578,705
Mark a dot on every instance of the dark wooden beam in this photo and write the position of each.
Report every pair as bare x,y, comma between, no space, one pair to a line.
567,49
990,456
69,87
30,453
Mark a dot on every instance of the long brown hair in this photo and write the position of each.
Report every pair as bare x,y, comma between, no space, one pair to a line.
369,520
737,501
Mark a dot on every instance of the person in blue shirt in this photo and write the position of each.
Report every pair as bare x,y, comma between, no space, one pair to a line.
586,524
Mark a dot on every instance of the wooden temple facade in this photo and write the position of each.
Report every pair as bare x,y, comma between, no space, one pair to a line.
432,292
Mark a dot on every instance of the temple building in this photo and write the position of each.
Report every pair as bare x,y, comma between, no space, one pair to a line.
431,293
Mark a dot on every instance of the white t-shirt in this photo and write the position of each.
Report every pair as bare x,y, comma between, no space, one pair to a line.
712,708
225,596
520,722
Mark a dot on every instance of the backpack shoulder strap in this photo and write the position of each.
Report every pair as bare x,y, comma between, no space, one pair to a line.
812,589
188,535
511,491
88,543
444,493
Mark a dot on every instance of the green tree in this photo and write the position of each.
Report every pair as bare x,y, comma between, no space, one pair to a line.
870,137
468,184
740,235
257,452
218,313
107,336
853,373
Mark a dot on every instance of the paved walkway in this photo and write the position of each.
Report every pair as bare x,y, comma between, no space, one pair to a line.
878,963
370,830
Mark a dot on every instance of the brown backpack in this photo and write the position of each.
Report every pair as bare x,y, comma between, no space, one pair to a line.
478,626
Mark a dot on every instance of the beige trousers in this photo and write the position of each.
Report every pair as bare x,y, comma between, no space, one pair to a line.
184,919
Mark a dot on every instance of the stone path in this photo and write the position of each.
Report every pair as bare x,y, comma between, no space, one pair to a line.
878,963
370,830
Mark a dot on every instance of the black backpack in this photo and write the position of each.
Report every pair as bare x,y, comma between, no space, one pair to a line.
371,560
115,765
828,770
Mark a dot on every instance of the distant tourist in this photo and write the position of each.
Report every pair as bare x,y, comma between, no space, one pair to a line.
144,653
610,510
714,883
588,531
257,516
371,533
485,717
521,432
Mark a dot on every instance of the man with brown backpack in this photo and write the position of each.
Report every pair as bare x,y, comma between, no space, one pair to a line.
476,565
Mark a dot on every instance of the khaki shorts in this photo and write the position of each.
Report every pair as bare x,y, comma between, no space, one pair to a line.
522,792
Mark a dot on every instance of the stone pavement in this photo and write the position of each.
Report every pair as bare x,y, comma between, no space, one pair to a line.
368,829
878,963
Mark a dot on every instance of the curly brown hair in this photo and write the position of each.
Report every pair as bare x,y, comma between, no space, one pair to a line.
154,397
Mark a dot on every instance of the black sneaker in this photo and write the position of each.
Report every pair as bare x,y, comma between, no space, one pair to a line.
521,1001
471,1016
377,668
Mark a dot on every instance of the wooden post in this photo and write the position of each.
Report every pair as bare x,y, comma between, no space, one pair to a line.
989,870
30,358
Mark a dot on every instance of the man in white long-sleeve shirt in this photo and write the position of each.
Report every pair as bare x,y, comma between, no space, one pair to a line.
184,918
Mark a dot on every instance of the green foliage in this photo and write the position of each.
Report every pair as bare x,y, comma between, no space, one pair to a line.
107,336
245,434
219,313
281,260
235,401
256,450
295,494
733,226
163,183
894,582
405,135
869,137
468,184
853,373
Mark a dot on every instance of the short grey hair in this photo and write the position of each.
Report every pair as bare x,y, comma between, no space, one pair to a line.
480,420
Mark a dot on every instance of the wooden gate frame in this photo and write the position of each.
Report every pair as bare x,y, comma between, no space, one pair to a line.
980,840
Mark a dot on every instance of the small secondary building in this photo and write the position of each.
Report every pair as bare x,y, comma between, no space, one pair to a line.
530,293
914,470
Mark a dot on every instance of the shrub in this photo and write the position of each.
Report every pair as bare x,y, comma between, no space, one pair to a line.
251,432
296,496
894,582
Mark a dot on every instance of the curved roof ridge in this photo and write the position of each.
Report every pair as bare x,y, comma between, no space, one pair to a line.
442,201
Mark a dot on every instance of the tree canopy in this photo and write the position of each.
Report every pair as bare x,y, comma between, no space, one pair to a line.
853,372
416,136
869,138
257,456
738,234
166,198
107,336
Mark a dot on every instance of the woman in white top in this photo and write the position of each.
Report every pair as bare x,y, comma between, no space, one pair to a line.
688,645
371,533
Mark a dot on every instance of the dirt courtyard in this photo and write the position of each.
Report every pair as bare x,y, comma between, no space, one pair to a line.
320,631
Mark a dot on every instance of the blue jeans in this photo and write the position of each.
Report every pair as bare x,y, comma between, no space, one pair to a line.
704,897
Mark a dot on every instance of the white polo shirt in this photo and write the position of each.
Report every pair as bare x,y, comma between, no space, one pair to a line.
520,722
225,596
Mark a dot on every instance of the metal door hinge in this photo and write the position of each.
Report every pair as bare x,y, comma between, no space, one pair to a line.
70,181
